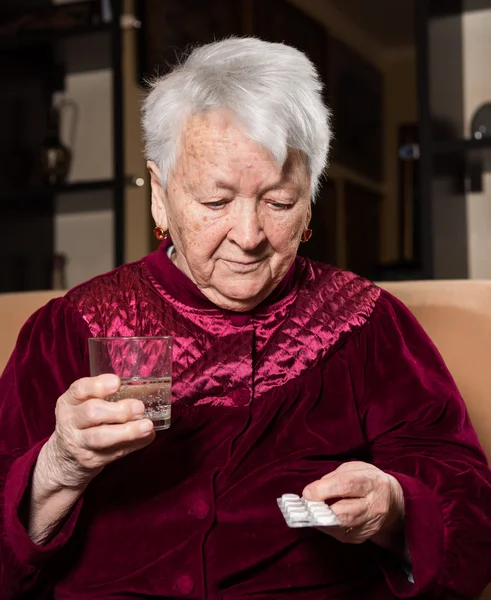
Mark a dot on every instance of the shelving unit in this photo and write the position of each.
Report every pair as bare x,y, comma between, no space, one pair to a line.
36,218
453,165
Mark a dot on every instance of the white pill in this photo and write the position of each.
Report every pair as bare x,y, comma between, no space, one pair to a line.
290,497
297,517
294,505
326,520
301,513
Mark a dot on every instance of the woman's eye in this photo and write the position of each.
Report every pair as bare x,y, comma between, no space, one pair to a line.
278,205
217,204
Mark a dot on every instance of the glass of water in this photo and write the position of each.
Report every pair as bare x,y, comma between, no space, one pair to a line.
144,365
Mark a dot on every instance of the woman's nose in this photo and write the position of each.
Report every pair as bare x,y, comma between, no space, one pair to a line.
247,231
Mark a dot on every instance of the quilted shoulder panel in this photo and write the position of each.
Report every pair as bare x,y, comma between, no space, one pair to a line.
214,360
331,305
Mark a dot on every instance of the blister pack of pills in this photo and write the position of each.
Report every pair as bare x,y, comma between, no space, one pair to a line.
300,512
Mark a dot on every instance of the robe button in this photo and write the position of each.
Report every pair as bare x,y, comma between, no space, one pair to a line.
241,396
200,510
185,585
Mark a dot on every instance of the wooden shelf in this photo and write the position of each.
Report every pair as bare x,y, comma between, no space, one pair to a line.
31,38
49,191
441,8
85,186
461,146
475,153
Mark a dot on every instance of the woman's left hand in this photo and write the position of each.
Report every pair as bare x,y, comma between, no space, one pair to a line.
369,503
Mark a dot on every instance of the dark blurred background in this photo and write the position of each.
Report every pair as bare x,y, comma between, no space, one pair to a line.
408,191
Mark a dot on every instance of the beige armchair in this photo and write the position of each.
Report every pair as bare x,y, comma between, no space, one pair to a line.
455,314
15,309
457,317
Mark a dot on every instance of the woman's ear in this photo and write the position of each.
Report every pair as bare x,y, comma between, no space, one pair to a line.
159,212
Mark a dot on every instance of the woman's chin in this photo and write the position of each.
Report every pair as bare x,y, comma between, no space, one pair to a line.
239,296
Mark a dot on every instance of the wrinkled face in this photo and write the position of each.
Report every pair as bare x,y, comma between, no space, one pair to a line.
235,216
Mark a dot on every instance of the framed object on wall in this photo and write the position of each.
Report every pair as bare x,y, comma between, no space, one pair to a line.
170,27
355,93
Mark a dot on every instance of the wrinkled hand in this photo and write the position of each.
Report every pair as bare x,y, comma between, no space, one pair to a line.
368,500
91,432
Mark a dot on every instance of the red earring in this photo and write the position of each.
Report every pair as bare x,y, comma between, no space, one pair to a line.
306,235
160,234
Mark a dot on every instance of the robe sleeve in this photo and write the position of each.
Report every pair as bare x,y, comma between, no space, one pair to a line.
51,353
418,429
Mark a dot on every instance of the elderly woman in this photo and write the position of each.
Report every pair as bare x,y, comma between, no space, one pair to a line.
289,376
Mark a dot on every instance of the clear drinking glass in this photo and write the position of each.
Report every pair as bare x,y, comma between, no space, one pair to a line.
144,365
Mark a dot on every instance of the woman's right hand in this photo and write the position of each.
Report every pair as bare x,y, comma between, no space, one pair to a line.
91,433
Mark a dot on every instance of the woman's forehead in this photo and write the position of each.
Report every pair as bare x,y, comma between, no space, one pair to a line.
217,134
217,151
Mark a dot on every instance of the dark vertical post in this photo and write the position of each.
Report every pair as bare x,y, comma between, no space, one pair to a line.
423,217
118,128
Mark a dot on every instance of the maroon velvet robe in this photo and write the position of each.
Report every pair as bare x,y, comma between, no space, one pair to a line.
327,370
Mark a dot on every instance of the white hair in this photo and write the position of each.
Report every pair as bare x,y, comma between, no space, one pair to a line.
273,90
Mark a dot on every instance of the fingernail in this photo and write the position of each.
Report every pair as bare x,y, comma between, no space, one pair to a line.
146,426
114,383
137,408
307,494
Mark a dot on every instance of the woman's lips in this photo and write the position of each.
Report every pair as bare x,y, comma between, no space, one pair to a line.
242,266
